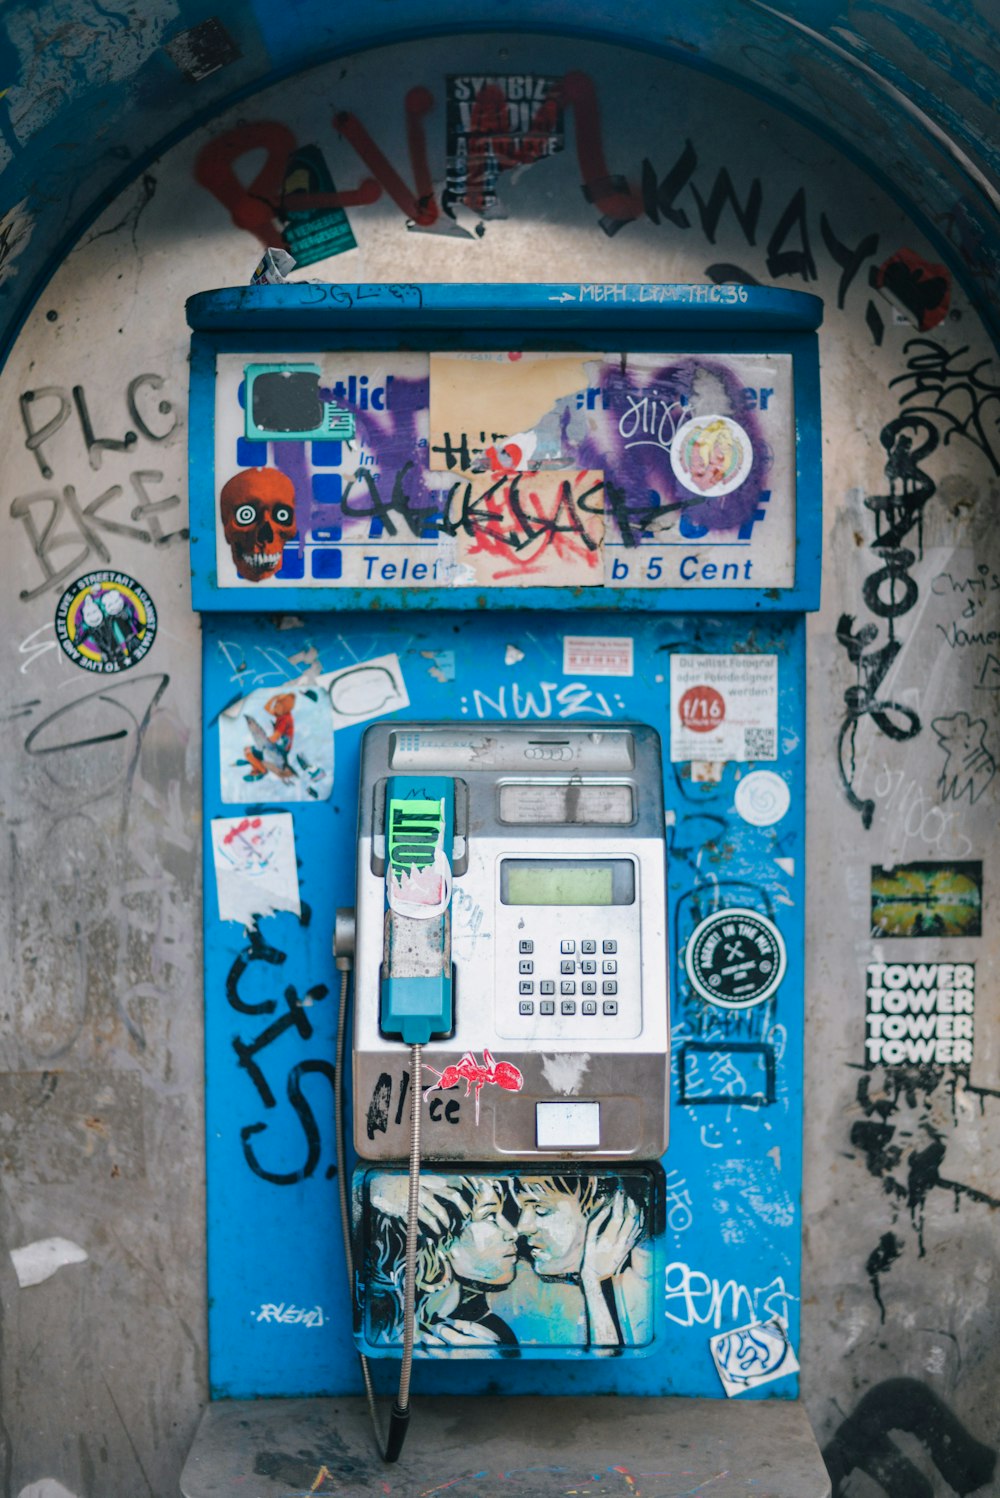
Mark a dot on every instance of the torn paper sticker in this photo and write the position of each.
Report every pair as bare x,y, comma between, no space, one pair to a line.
255,869
36,1261
723,707
368,689
277,746
597,655
753,1355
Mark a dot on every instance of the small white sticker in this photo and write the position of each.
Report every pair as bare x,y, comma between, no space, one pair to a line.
723,707
37,1261
762,798
255,869
368,689
753,1355
598,655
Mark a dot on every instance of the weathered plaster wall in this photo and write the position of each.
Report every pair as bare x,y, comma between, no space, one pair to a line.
664,176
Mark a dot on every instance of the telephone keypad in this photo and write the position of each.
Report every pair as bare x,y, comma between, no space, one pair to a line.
587,966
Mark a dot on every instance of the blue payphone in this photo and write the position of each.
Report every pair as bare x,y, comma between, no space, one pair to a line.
503,593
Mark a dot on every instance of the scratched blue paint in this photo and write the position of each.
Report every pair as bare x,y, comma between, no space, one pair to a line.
278,1302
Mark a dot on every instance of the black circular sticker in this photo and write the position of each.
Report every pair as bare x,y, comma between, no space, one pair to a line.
735,958
105,621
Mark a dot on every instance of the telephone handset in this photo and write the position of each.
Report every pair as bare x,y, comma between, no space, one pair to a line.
511,919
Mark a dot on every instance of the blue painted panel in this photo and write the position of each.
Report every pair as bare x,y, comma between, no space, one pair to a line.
278,1304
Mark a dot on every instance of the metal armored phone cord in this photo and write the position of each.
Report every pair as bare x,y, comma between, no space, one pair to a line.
399,1417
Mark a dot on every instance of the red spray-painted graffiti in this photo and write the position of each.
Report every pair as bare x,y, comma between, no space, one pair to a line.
257,207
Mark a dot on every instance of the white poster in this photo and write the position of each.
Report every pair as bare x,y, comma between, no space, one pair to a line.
723,707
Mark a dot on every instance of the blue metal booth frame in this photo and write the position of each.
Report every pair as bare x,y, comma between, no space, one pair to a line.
343,633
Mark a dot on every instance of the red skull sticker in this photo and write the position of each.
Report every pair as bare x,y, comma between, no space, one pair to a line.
258,517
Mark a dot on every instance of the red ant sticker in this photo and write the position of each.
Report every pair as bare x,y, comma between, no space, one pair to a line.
475,1074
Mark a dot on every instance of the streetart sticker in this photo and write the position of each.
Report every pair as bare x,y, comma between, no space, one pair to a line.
711,455
927,899
762,798
256,872
752,1355
723,707
920,1013
277,746
419,879
597,655
496,124
735,958
476,1074
105,621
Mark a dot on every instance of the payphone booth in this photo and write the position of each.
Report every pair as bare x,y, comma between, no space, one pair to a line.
502,591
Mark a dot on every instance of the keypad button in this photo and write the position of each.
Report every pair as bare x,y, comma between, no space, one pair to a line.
547,1007
610,1006
568,1006
525,948
567,986
546,986
588,946
588,986
609,986
526,1007
525,986
589,1006
567,946
588,967
526,965
567,966
610,946
609,965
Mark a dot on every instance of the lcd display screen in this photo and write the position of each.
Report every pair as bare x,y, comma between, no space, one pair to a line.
567,881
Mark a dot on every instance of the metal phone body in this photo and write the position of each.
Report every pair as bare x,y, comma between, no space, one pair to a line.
558,945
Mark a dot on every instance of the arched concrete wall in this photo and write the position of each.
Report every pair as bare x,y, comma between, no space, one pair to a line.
100,1110
90,95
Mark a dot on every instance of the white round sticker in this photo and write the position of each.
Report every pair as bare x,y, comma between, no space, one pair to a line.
762,798
711,455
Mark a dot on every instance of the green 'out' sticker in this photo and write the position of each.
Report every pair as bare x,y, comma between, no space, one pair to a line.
416,831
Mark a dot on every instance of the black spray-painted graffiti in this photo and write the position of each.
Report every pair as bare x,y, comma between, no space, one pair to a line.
84,904
941,384
863,1443
293,1015
58,520
789,247
969,767
907,1155
890,592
